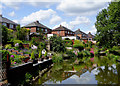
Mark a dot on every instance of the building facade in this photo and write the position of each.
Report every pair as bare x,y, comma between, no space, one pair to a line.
83,36
36,27
8,23
62,31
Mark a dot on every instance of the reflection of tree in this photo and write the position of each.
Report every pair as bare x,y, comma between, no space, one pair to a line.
106,76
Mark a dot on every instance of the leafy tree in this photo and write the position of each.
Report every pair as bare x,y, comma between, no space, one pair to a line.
22,33
5,36
108,25
57,44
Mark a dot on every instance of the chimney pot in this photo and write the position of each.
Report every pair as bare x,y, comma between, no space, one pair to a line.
0,15
37,21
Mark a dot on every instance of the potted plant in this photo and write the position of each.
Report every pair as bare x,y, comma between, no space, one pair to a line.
46,57
40,56
33,57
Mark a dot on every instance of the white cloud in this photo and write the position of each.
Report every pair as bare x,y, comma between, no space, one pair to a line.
80,20
12,14
40,15
92,30
81,7
55,19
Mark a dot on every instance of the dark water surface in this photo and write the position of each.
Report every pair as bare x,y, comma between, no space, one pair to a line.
69,73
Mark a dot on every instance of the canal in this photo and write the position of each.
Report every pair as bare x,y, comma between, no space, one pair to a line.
69,73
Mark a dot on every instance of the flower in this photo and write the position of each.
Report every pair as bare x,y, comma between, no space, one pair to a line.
92,59
14,62
92,52
12,56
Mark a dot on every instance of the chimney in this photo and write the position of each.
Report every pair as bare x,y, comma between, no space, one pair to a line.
89,32
78,29
37,21
60,25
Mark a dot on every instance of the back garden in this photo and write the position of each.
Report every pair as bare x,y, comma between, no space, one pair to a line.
71,59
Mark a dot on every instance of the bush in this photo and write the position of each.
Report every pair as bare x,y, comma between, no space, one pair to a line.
17,41
32,55
71,54
68,43
80,54
4,54
40,53
28,77
8,46
78,46
57,58
45,54
67,39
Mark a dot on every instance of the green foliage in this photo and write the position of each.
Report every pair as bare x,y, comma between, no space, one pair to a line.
45,54
57,58
34,41
57,44
17,41
71,54
28,77
5,35
107,25
68,43
8,46
40,54
22,33
78,46
32,55
4,54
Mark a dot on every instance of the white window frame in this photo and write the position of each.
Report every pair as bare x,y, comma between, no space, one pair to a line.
4,24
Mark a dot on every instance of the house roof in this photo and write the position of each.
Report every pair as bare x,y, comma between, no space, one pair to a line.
90,35
36,24
5,20
62,28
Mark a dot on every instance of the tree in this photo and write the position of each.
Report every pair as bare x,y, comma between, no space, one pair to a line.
108,25
5,36
57,44
22,33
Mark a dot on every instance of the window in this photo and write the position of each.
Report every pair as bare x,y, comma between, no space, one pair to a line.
58,32
11,25
68,32
45,30
90,39
4,24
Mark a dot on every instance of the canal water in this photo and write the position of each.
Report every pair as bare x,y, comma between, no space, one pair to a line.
70,73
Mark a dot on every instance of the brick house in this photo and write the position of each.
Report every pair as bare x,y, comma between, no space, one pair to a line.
83,36
8,23
62,31
35,27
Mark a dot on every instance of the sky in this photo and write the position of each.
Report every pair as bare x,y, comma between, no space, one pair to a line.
73,14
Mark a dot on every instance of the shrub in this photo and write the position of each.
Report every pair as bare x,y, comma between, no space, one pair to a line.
78,46
71,54
17,41
8,46
80,54
57,58
40,53
45,54
32,55
67,39
4,54
28,77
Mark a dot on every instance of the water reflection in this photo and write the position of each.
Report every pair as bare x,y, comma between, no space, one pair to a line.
67,73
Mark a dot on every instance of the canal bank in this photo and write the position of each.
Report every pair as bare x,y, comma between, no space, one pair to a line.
17,75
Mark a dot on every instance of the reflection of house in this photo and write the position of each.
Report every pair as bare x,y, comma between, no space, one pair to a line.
36,27
83,36
8,23
62,31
